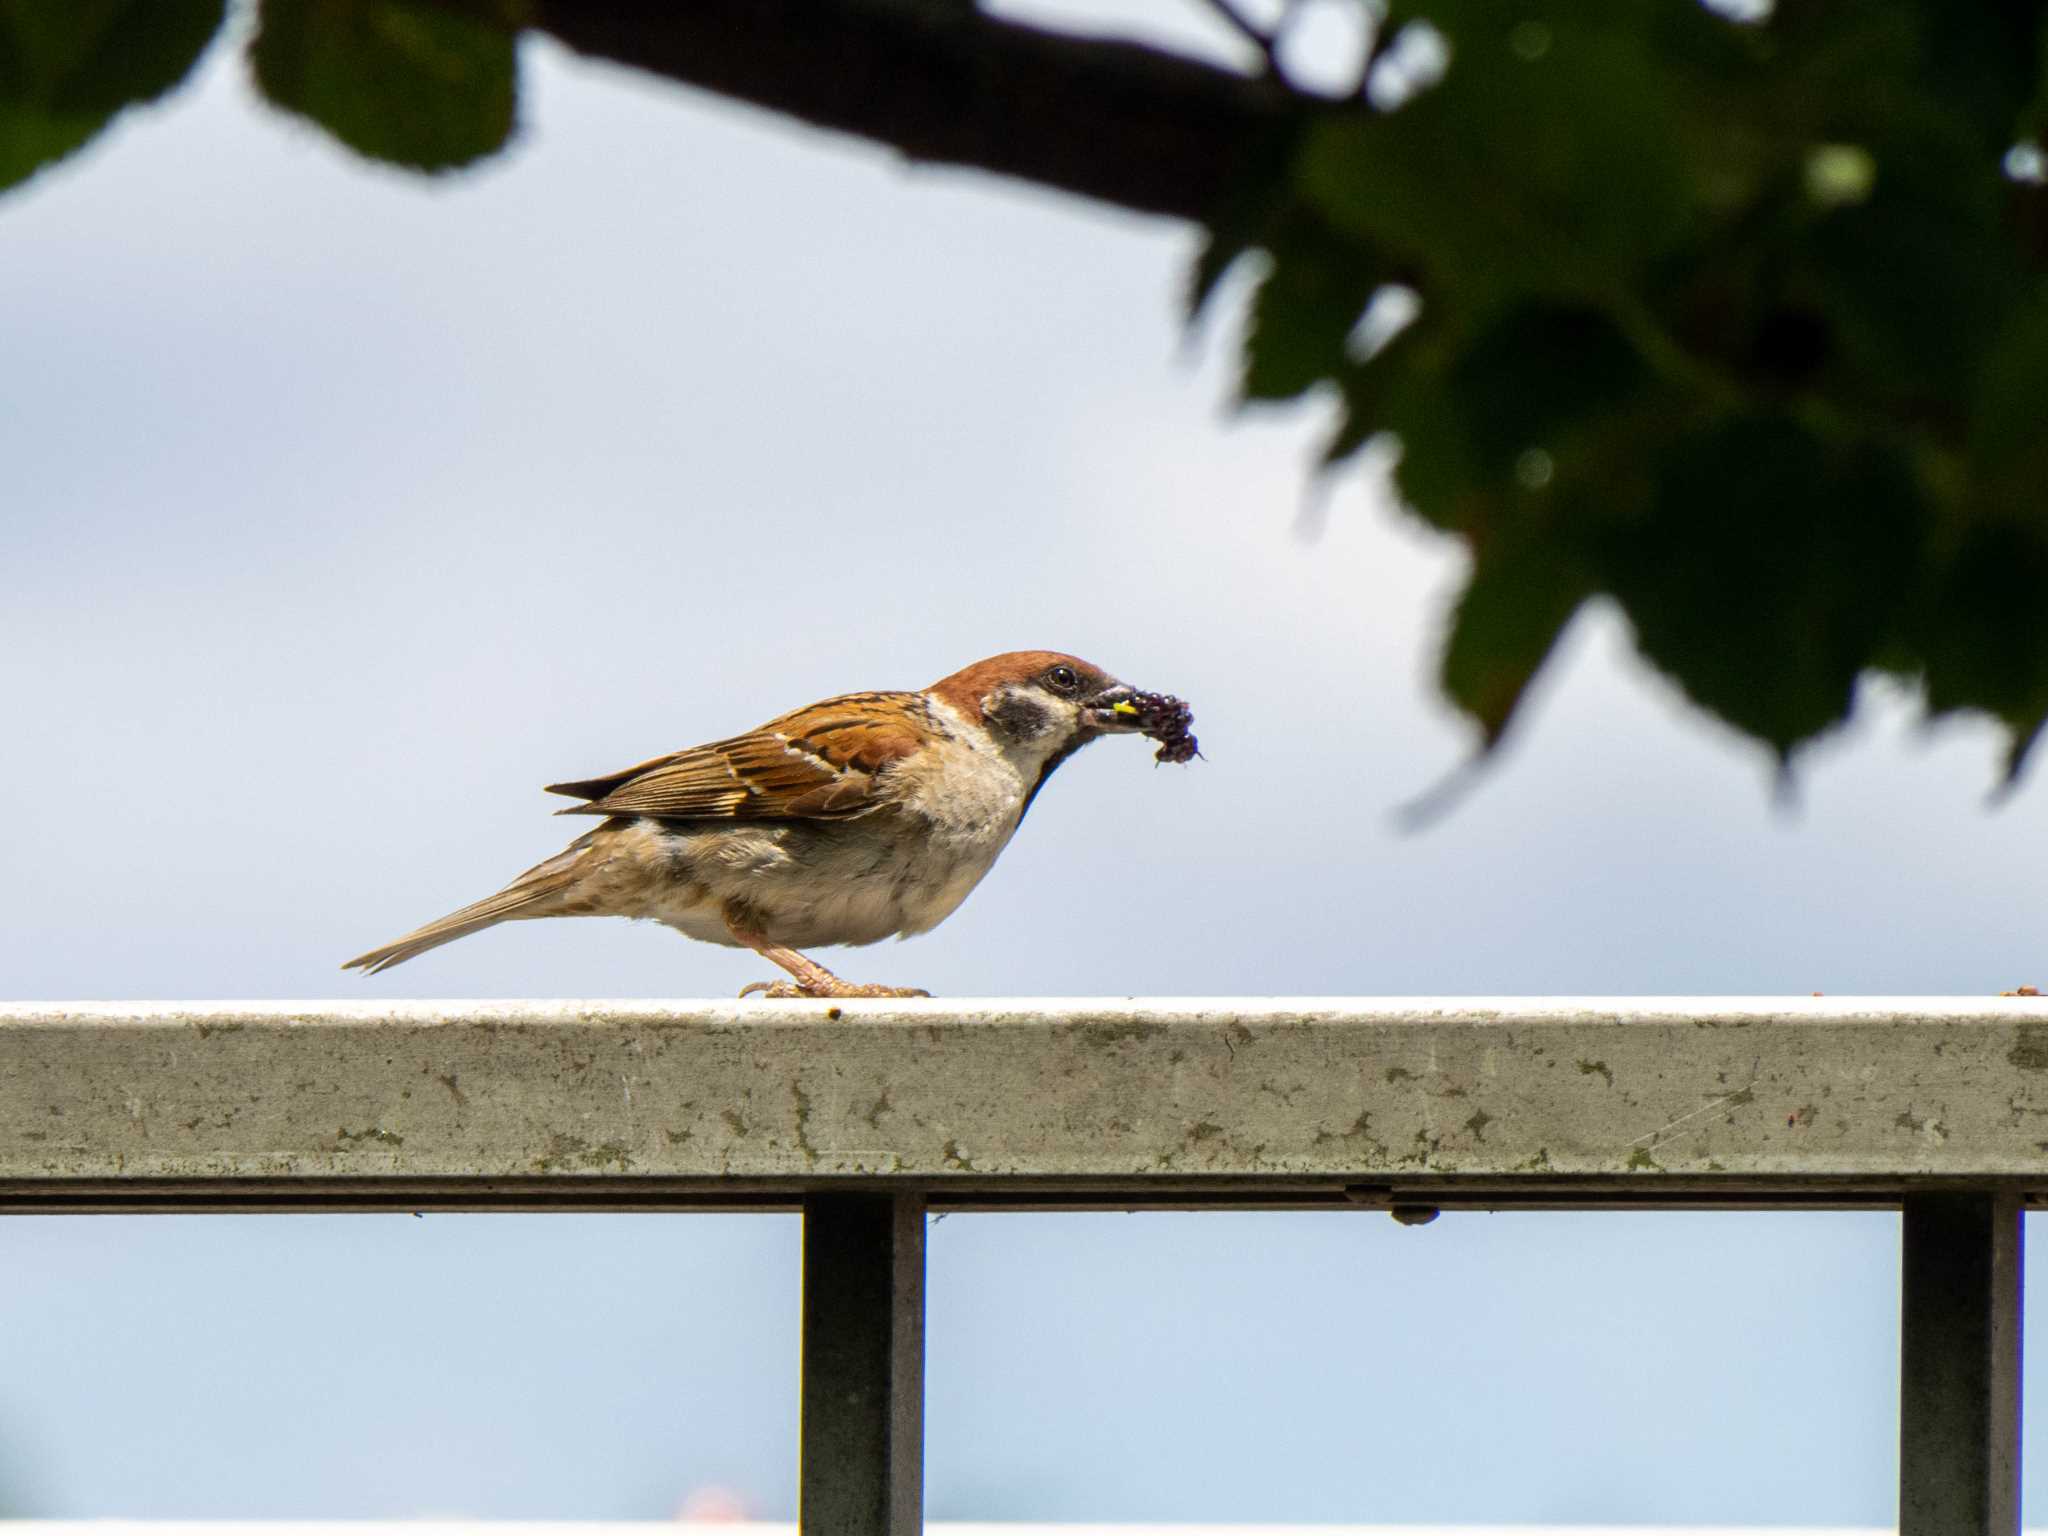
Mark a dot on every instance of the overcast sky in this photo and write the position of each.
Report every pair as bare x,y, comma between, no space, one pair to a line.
344,509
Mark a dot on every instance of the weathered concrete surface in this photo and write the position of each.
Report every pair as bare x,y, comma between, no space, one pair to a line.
1133,1096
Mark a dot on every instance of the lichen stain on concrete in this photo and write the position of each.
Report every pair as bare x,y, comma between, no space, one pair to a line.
677,1138
574,1152
347,1138
803,1123
1640,1161
1540,1163
560,1147
447,1080
1202,1130
954,1157
1426,1148
1929,1126
2030,1047
206,1031
1360,1131
1588,1068
1397,1074
876,1110
733,1122
1478,1123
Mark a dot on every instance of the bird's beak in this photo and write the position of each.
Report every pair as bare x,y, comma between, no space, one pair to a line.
1112,710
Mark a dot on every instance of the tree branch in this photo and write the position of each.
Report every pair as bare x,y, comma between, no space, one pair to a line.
1119,122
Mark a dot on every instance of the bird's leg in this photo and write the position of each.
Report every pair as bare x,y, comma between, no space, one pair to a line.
812,979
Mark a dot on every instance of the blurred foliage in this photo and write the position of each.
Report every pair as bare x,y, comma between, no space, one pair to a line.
1742,324
426,84
428,87
67,66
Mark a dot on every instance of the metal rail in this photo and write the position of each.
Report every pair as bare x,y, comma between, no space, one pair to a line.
867,1115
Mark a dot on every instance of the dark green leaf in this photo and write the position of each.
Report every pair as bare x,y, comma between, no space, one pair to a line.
2025,737
1556,156
1246,219
1521,594
1537,379
32,138
1219,253
2009,437
1981,633
67,66
1314,290
1861,71
1742,326
1544,393
1772,572
407,81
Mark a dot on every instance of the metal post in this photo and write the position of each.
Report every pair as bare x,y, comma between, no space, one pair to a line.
863,1366
1959,1376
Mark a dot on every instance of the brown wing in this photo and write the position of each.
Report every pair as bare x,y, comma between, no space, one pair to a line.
823,761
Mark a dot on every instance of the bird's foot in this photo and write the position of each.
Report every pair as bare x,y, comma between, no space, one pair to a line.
831,988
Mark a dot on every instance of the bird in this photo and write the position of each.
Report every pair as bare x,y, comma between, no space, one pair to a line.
847,821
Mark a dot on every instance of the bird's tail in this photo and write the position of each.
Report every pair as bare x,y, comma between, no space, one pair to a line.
541,892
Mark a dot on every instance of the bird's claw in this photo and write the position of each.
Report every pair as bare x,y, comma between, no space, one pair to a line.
834,988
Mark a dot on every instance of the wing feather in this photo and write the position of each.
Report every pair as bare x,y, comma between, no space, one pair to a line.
827,761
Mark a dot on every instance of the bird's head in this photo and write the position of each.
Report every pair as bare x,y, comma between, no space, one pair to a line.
1041,703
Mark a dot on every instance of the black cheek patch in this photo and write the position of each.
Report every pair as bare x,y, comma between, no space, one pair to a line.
1017,715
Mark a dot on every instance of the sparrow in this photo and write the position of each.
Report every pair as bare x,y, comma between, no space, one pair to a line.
843,822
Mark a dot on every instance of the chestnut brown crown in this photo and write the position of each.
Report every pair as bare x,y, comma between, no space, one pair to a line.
1055,670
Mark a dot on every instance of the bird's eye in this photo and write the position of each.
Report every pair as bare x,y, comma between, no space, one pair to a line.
1063,679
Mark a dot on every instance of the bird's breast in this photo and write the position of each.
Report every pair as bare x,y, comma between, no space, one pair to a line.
968,793
965,797
898,870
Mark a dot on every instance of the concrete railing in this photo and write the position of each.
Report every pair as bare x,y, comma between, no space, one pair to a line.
687,1527
869,1115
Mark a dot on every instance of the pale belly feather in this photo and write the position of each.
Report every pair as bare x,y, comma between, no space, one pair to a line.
895,872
